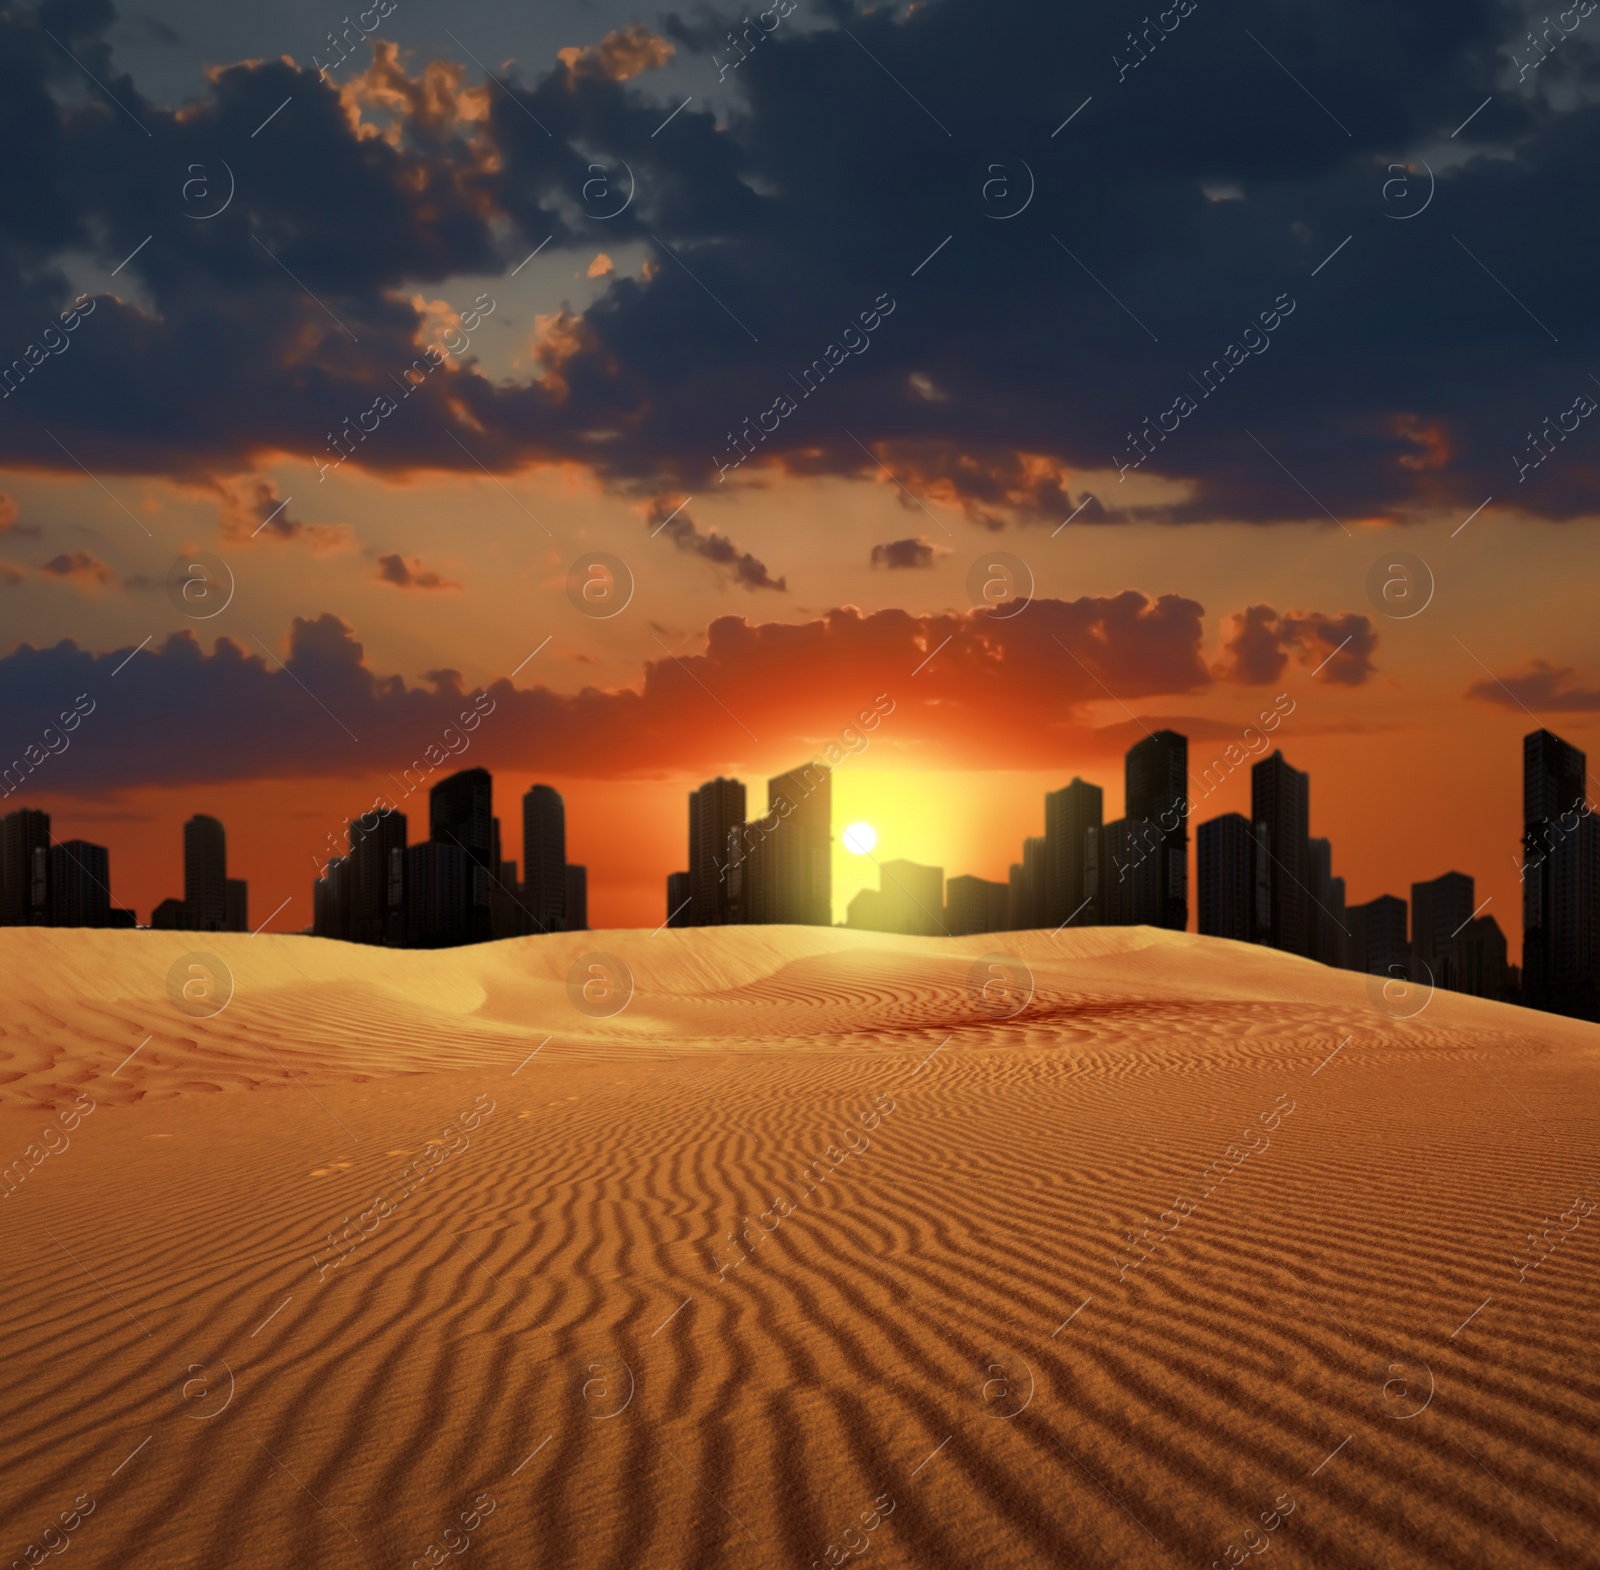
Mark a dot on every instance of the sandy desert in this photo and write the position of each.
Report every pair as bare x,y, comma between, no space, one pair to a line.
1114,1247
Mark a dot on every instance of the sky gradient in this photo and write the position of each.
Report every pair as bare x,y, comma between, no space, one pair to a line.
1205,335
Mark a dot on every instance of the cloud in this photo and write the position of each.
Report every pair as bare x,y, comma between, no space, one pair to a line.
79,567
1543,688
600,266
411,574
743,568
1257,643
179,715
771,234
904,553
9,523
250,508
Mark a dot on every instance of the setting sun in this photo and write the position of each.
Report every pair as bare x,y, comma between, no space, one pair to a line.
859,838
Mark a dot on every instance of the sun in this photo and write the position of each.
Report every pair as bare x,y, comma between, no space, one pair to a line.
859,838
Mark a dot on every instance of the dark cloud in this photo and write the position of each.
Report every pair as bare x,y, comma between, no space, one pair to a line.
903,553
1544,688
679,526
1063,339
1257,643
79,566
412,574
175,714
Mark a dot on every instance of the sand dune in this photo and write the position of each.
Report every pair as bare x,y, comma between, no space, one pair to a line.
811,1252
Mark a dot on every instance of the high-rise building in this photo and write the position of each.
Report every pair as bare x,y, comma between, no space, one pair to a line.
377,879
1560,879
1280,799
1226,856
1378,943
25,868
1068,896
577,912
1480,960
332,898
1131,865
679,898
80,885
1440,910
544,858
909,898
1035,878
461,814
752,872
801,849
236,904
1157,788
205,874
172,915
975,905
1329,932
715,809
1019,911
439,884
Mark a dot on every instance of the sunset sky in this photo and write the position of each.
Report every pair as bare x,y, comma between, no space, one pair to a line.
1204,336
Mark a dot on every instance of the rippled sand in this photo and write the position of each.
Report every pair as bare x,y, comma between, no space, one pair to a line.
813,1251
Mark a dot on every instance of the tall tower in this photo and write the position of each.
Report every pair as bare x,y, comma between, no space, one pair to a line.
1069,895
544,858
1227,886
25,867
376,881
1560,848
801,846
715,808
1157,789
1280,803
205,874
461,814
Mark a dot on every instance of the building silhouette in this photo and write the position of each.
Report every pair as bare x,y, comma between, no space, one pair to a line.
716,809
80,885
1560,879
171,915
1329,933
909,898
779,866
1156,776
205,874
975,905
1481,961
1280,799
1378,942
679,898
1440,911
461,815
1226,867
440,881
377,880
544,858
25,868
1069,893
577,912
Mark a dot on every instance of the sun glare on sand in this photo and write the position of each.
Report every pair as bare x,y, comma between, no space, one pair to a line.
859,838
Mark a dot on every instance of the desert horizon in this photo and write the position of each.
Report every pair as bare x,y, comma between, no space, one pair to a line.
1163,1244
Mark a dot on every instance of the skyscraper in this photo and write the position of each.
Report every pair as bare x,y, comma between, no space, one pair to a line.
236,904
80,878
377,895
577,912
1131,866
25,868
715,808
1378,943
1156,774
1560,879
544,858
1280,799
801,847
678,899
461,814
331,899
439,882
1068,896
1440,911
975,905
1325,917
1226,856
205,874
